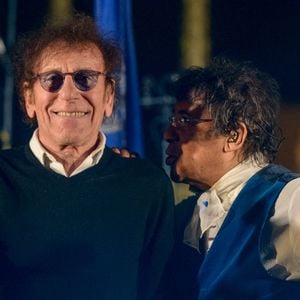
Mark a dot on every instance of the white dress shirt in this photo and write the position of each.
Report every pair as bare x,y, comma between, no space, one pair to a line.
213,205
49,161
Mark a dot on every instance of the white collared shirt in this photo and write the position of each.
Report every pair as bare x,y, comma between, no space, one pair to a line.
49,161
213,205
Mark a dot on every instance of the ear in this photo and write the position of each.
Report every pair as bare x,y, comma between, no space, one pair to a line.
29,100
109,98
236,138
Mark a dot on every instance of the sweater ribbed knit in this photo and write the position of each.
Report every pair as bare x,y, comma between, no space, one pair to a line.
104,233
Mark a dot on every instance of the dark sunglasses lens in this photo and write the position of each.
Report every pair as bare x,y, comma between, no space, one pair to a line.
85,80
51,81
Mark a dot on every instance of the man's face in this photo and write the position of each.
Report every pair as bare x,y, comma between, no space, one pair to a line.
195,152
70,117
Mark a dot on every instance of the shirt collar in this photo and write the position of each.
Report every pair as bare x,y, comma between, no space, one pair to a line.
49,161
230,184
213,205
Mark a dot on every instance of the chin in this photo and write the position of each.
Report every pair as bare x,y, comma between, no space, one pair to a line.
68,140
174,176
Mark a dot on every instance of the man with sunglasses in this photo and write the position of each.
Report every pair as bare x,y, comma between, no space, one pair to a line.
77,221
239,236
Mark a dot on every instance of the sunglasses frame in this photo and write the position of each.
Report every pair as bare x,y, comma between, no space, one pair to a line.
94,74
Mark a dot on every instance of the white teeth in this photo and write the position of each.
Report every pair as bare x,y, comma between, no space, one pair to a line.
75,114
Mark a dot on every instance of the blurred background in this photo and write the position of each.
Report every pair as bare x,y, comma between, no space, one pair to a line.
169,35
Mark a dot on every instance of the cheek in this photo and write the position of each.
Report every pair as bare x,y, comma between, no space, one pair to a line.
191,150
39,102
189,157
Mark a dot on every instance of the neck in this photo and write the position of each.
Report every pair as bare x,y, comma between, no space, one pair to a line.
71,156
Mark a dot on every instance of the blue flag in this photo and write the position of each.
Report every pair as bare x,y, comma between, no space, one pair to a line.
125,129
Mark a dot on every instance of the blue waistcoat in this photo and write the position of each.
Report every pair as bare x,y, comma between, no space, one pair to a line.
232,268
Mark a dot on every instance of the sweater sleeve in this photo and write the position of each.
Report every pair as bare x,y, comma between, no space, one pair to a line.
158,242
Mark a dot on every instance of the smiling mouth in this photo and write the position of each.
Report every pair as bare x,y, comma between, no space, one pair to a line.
73,114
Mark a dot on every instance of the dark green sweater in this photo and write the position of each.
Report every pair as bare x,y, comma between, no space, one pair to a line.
105,233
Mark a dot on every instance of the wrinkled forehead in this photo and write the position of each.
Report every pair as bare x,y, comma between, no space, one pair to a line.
190,90
195,104
193,95
193,99
61,49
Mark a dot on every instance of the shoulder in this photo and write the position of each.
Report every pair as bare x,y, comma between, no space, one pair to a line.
7,153
136,167
287,206
289,180
291,189
13,154
289,197
140,176
286,209
19,160
272,178
274,172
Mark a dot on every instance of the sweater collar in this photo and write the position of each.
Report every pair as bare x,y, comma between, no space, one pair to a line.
49,161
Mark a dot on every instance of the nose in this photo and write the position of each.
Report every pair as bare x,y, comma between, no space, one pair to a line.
68,90
170,134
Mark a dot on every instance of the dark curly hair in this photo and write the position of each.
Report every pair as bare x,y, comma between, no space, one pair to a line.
79,30
237,92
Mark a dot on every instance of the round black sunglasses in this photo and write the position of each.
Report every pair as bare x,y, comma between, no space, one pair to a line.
84,80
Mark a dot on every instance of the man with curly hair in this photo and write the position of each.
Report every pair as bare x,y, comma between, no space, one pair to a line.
77,221
239,237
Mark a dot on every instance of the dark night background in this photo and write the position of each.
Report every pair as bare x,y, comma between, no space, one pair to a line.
266,32
262,31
